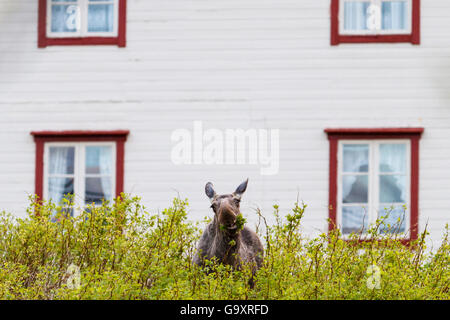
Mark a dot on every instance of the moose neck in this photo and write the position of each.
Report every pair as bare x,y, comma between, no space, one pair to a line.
226,244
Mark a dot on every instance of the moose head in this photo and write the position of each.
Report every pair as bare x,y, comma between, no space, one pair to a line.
226,207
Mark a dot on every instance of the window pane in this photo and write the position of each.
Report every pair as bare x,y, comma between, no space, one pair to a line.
395,219
98,189
65,18
59,187
356,157
393,158
99,160
392,189
354,219
355,15
101,18
394,15
355,189
62,160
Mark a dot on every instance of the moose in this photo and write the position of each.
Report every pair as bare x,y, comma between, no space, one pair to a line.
225,237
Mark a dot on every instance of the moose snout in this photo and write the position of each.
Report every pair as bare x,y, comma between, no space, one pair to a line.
227,217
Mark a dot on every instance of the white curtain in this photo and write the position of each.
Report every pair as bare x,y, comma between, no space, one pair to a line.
58,164
394,15
355,15
101,17
105,164
356,158
393,157
65,17
393,160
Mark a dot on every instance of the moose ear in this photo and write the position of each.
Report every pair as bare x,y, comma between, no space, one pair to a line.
241,189
209,190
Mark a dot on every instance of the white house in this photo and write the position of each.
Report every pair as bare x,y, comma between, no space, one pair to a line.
95,94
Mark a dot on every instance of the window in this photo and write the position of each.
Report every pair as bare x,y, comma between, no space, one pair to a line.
85,164
80,169
78,22
372,184
374,174
354,21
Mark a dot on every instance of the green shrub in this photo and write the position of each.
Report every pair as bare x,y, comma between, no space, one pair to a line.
123,252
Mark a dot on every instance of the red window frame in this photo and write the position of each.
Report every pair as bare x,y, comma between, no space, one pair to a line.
42,137
412,134
413,37
44,41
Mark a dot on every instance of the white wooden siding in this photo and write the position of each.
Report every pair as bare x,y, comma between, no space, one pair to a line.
231,64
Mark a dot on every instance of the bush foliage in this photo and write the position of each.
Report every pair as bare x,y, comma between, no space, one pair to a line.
120,251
